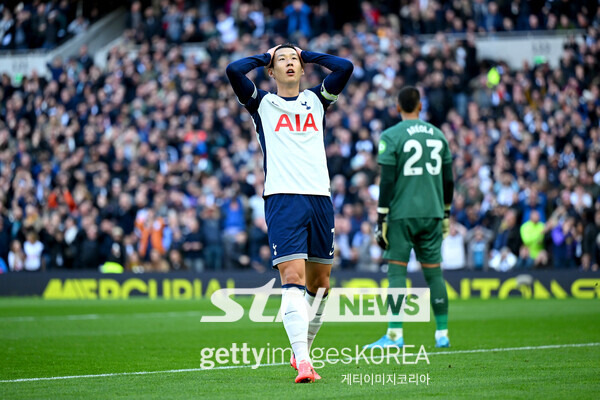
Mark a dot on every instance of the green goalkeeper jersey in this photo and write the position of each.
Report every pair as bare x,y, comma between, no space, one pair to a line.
418,150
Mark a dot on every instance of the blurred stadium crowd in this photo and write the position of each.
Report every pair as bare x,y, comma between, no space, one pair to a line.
38,24
153,165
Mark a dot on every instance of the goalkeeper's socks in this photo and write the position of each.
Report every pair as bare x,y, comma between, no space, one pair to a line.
315,324
439,296
394,333
295,319
397,278
440,333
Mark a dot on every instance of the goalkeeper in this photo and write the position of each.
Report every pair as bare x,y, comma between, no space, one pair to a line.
416,192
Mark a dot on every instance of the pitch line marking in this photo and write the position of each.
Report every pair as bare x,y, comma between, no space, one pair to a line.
175,371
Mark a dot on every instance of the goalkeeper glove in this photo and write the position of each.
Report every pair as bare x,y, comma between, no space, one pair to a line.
381,228
446,222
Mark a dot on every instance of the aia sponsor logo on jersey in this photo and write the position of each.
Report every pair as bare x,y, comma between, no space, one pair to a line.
301,124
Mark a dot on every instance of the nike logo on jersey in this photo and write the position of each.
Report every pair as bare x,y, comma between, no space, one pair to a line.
438,301
331,252
285,122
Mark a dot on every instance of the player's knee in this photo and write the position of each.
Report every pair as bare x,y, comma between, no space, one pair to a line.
292,276
292,272
317,283
293,279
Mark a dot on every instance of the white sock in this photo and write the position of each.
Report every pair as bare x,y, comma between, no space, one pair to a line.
315,324
394,333
441,333
295,320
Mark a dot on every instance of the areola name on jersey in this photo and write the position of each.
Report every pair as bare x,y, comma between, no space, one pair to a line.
419,129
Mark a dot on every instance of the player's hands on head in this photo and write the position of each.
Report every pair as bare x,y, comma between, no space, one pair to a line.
298,50
271,51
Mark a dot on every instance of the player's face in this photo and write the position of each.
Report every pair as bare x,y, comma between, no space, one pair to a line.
286,66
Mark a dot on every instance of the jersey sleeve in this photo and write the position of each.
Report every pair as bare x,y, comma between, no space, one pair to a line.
323,98
447,156
254,101
387,151
334,83
245,90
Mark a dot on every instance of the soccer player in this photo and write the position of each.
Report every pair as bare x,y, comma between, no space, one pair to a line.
416,190
298,208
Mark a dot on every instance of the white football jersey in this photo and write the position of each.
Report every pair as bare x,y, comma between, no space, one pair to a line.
291,135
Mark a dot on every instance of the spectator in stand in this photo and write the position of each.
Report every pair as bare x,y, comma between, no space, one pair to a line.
264,262
192,246
213,247
343,247
226,27
156,263
453,248
176,261
590,250
78,26
234,222
51,30
151,232
33,249
257,238
22,29
362,246
152,25
7,30
532,235
134,263
89,256
471,217
493,19
172,21
508,234
322,22
71,240
503,260
506,190
564,241
84,59
534,201
117,252
16,257
298,19
4,238
134,21
238,257
478,242
54,244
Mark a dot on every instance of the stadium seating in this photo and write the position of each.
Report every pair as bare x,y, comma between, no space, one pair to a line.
114,164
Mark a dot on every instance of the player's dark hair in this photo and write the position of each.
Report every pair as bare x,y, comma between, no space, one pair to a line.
284,46
409,98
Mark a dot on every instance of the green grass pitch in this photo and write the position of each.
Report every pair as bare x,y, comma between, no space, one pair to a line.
41,339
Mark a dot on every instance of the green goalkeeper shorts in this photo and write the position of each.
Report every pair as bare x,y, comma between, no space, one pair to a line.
422,234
